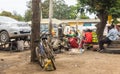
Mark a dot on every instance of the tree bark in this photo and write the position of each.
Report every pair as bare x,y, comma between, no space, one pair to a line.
35,27
101,25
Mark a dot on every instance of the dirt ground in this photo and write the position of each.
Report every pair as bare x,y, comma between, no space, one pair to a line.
90,62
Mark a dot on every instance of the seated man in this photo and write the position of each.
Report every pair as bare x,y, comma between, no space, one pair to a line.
112,35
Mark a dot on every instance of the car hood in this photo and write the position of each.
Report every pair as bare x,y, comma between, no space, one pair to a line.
20,24
23,23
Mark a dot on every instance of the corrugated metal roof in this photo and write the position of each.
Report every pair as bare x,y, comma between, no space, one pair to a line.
46,21
56,21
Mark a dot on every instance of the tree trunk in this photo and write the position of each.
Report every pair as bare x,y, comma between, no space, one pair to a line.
35,27
101,25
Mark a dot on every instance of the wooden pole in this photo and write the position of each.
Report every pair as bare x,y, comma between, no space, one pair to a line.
50,15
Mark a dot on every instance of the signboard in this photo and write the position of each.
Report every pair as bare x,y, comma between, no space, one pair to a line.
87,24
109,19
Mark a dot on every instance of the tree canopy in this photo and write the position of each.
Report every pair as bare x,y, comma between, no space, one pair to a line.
111,7
14,15
60,10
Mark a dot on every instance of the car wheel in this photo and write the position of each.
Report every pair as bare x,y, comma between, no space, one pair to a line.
4,37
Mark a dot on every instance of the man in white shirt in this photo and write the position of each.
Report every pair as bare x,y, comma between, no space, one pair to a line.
113,34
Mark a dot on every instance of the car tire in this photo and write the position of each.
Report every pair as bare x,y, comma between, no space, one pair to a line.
4,37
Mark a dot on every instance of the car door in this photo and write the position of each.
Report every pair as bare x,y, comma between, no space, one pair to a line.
1,26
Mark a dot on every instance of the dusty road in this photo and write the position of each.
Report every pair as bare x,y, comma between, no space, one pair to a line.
87,63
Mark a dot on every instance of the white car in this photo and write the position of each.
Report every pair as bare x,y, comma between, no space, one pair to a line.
12,29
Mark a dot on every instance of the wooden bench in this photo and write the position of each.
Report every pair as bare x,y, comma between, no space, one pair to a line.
13,45
114,44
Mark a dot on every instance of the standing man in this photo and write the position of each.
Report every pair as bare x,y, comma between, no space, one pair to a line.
112,35
60,32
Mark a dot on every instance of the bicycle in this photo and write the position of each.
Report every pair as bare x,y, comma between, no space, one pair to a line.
44,53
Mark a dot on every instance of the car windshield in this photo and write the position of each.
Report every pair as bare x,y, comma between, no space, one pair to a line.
7,19
44,28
